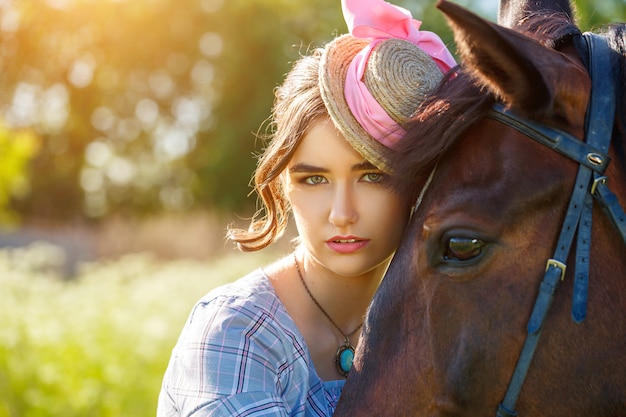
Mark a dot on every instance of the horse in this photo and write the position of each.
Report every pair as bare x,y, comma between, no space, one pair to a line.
506,242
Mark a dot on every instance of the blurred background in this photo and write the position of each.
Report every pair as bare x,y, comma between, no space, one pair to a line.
127,142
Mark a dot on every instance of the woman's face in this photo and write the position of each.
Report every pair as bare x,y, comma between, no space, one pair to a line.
347,217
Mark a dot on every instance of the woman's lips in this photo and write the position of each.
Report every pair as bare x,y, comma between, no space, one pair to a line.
346,244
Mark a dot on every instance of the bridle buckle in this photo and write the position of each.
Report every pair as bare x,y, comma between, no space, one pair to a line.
557,264
599,180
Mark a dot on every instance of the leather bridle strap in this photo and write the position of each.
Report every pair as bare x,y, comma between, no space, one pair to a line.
555,271
593,159
564,143
602,127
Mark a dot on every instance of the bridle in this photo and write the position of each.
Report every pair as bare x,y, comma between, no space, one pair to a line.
592,157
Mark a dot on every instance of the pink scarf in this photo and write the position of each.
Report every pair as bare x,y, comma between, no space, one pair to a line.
378,20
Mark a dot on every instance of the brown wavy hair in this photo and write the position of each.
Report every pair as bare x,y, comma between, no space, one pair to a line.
297,103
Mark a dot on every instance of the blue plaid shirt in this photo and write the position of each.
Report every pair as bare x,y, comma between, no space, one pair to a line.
241,354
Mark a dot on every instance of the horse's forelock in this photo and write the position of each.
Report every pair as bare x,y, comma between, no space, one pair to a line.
452,108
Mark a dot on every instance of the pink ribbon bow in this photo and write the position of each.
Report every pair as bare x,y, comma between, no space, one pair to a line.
378,20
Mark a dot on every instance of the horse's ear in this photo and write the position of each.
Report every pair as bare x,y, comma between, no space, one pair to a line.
526,75
512,12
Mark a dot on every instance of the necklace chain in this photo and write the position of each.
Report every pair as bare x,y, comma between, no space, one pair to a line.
306,287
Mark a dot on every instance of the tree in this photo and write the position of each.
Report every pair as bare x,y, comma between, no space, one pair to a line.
146,104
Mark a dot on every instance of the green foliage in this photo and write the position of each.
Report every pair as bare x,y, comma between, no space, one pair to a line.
147,105
17,149
96,345
593,14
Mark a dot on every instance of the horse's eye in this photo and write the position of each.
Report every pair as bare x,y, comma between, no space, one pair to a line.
463,249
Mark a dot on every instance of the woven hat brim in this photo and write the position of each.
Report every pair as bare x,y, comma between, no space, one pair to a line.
334,64
399,75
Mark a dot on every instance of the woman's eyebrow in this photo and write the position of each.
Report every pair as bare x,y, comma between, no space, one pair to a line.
364,166
302,167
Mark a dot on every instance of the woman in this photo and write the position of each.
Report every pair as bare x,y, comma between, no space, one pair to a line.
280,341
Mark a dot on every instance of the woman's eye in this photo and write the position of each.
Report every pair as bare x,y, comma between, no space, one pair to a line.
463,249
373,177
315,179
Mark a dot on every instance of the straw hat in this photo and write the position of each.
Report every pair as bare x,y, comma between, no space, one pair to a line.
399,75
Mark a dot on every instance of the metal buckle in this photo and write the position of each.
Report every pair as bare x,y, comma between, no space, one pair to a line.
557,264
599,180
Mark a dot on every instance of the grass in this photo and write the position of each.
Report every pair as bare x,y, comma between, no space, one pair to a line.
96,345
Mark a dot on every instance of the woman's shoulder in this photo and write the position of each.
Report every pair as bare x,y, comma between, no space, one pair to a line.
244,316
244,302
254,289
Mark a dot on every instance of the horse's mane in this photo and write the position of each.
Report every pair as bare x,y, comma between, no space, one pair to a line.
460,101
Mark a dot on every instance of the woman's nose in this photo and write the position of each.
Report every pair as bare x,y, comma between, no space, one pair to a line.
343,210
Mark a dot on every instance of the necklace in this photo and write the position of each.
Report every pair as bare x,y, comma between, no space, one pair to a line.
345,352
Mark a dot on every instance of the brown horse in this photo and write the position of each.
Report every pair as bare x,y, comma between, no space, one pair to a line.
447,326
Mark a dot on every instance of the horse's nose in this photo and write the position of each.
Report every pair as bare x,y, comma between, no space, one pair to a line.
343,210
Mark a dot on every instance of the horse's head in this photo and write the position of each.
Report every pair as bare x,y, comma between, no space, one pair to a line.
446,327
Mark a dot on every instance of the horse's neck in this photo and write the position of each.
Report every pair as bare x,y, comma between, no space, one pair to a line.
512,12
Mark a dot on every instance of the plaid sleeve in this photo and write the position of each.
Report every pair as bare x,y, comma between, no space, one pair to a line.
230,360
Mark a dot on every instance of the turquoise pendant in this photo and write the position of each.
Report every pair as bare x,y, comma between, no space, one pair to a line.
344,358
